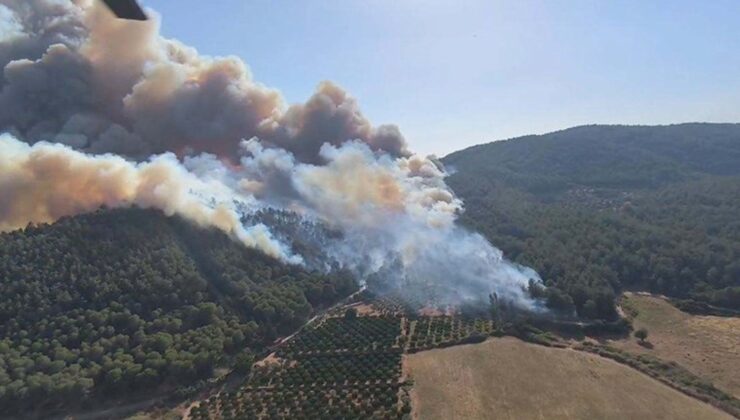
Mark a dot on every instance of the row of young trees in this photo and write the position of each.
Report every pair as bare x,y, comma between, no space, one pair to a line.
350,333
380,401
325,371
435,331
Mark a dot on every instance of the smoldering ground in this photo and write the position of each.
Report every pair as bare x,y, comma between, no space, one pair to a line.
100,111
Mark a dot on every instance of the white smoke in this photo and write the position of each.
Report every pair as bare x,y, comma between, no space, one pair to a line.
44,182
87,98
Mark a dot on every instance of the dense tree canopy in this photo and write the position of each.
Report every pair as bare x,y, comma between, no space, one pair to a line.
598,209
126,301
119,302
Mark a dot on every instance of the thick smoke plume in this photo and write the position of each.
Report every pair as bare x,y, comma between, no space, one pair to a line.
74,74
44,182
103,112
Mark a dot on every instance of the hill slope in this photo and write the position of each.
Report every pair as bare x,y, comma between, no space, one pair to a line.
706,345
125,302
597,209
606,156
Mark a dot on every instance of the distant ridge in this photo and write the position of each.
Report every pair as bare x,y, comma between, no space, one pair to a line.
599,208
607,155
696,125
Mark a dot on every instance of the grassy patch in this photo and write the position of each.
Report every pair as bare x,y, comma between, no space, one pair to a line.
670,373
508,378
705,345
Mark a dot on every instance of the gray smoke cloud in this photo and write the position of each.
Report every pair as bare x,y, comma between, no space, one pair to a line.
100,111
76,75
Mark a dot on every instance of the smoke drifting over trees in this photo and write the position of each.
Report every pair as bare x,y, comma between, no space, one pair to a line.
45,182
104,112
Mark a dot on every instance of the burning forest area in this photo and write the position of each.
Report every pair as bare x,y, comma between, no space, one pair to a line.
179,239
101,112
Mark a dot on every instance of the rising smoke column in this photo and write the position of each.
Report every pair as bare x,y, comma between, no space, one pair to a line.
76,75
397,217
101,111
44,182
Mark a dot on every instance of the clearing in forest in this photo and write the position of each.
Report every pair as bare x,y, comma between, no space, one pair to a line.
508,379
708,346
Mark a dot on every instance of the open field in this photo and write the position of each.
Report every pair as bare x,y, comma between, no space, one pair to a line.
709,346
509,379
359,365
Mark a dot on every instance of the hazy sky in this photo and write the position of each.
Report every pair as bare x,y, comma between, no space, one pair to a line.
457,73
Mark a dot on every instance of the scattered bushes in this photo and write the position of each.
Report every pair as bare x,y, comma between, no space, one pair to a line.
702,308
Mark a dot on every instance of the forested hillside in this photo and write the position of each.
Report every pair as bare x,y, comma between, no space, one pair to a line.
128,302
598,209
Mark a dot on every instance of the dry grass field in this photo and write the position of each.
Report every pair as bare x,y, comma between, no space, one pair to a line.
709,346
509,379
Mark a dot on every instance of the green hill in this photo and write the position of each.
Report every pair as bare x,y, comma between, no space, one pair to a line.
598,209
129,302
126,303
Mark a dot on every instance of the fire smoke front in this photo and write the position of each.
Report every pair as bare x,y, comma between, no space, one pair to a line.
103,112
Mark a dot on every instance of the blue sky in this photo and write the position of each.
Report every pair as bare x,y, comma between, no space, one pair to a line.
457,73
